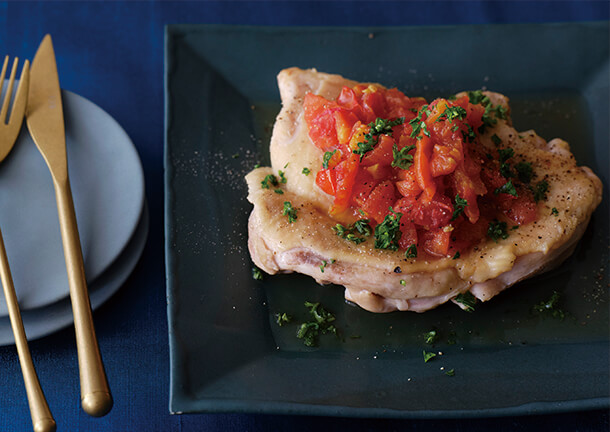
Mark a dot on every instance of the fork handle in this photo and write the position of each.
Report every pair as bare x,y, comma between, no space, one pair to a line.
42,419
96,399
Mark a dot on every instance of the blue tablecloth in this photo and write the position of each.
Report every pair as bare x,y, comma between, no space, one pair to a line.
112,54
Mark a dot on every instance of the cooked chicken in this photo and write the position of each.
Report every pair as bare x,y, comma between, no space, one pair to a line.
385,280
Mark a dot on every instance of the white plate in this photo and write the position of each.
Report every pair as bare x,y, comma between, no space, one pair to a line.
108,189
48,319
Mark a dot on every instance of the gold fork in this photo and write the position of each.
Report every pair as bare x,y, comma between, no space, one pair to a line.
42,420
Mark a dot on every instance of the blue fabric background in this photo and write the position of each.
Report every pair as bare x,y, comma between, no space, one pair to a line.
112,54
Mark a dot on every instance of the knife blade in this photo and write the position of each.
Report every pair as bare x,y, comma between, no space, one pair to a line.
45,122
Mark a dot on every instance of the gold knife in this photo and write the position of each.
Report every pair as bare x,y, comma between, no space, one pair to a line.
45,121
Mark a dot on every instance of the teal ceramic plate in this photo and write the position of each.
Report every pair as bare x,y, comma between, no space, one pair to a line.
227,352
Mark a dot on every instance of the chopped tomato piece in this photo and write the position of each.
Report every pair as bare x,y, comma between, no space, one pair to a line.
326,180
346,172
422,167
380,200
433,213
436,241
408,235
382,153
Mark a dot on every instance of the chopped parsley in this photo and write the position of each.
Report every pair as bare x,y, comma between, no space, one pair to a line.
497,230
257,273
269,180
430,337
279,191
466,301
327,157
458,206
402,158
411,252
496,139
506,154
452,113
282,177
379,127
306,171
524,172
477,97
323,266
349,233
450,372
554,212
289,211
388,232
428,356
540,190
321,323
507,188
282,318
549,307
456,256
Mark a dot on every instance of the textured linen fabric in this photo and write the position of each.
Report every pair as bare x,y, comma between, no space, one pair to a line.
112,54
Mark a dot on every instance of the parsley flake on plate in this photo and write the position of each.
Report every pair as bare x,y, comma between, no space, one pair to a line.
289,211
387,233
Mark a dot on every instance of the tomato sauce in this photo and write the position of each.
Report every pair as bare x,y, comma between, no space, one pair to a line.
387,153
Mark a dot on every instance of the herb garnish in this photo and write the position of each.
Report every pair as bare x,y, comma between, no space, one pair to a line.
257,274
306,171
549,307
507,188
452,113
497,230
496,139
282,318
418,124
430,337
458,206
450,372
554,212
349,233
388,232
269,179
402,158
428,356
466,301
524,172
279,191
320,324
282,177
456,256
289,211
411,251
540,190
379,127
477,97
506,154
327,157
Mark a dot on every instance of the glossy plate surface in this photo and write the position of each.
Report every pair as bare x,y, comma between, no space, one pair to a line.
227,352
108,189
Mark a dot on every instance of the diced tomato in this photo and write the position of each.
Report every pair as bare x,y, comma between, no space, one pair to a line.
373,103
344,122
320,119
521,209
380,200
407,206
408,235
433,213
444,160
327,181
422,167
382,153
436,242
346,172
363,186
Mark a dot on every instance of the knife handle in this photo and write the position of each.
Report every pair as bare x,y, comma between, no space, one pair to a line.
42,419
96,398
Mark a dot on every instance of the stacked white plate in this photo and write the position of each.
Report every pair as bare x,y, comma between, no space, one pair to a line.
108,190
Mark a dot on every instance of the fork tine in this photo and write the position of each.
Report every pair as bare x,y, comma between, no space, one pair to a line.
9,91
3,71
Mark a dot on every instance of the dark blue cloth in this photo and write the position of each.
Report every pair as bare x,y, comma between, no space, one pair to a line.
112,54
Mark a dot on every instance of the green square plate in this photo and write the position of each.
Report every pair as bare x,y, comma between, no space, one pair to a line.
227,352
